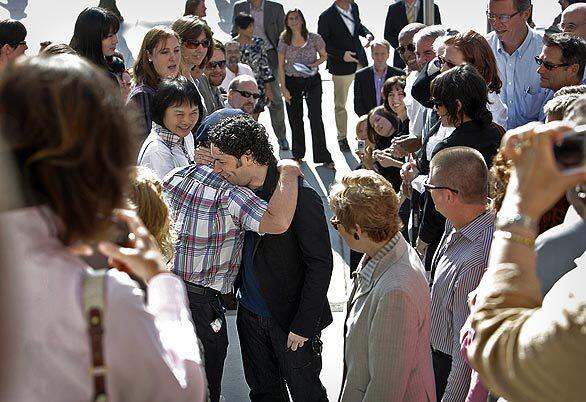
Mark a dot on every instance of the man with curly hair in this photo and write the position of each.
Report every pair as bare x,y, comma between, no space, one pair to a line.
211,216
284,278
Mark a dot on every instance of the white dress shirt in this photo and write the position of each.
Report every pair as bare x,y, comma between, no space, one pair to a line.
150,347
348,18
242,69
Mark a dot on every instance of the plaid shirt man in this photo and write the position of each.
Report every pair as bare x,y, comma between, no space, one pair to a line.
211,216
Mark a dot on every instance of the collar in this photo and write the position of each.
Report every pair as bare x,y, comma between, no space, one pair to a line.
259,8
415,3
388,254
380,75
167,136
521,50
477,226
340,9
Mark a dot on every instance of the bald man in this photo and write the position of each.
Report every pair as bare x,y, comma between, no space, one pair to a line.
574,19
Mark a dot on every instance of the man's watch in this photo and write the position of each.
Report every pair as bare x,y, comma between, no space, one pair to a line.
504,221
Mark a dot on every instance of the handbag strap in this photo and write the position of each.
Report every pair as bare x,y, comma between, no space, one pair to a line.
93,308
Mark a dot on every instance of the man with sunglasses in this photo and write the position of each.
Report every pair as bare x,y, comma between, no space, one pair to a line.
243,94
515,46
12,41
458,184
560,64
215,71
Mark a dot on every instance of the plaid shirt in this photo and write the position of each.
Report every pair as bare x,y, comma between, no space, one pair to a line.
211,216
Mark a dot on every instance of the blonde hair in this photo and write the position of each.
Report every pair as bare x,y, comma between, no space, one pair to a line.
146,198
366,199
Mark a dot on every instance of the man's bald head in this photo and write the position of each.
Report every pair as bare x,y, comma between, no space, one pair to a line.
409,31
574,19
406,47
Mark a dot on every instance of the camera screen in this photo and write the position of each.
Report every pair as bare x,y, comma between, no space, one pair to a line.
571,152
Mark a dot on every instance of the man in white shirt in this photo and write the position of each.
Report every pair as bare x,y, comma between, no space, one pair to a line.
233,66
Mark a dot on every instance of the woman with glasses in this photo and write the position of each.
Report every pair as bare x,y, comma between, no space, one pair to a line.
176,111
299,77
388,323
254,53
472,48
158,59
74,150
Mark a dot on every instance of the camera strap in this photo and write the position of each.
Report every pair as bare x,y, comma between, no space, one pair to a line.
93,309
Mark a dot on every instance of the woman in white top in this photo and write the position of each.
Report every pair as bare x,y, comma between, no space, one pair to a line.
73,151
472,48
176,110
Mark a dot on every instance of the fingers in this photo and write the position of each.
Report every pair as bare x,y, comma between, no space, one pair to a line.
115,252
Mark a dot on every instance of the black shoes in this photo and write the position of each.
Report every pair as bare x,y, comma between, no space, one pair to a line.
344,147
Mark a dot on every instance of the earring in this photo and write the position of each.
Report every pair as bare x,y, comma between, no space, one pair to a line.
150,60
356,236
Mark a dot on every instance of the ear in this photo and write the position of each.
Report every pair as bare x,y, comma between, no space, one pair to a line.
247,159
526,14
458,105
573,69
6,50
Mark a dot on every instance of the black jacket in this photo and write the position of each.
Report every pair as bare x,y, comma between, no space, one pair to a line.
294,268
421,90
364,90
397,20
338,40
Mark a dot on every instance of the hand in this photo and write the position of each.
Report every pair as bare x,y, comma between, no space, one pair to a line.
286,95
369,38
203,156
295,341
396,149
385,159
289,167
350,57
536,182
409,171
141,256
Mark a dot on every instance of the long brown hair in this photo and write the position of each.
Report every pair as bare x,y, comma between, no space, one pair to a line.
287,34
143,69
71,137
477,51
190,27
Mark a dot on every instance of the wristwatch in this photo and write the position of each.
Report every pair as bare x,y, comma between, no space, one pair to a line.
508,220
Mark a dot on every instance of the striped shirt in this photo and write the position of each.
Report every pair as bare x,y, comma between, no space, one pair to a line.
211,216
460,261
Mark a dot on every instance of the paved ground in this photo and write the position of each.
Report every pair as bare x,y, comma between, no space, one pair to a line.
54,20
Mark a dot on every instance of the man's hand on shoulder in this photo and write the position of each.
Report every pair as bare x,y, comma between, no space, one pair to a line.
289,167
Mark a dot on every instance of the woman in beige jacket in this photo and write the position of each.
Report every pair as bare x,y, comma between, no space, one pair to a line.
387,356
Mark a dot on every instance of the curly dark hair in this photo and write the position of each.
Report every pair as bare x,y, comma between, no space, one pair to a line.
238,135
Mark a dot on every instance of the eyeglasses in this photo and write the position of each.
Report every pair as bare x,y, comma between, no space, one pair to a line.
501,17
194,44
214,64
247,94
549,66
443,61
335,222
403,49
17,44
430,187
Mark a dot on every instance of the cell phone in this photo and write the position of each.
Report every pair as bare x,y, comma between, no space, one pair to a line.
570,153
361,146
117,232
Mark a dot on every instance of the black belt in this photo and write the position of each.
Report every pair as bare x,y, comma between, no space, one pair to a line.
441,355
200,290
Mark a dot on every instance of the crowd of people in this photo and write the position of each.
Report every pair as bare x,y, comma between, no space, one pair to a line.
144,200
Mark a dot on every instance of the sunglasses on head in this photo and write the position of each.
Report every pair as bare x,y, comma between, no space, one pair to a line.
335,222
443,61
403,49
214,64
194,44
548,65
247,94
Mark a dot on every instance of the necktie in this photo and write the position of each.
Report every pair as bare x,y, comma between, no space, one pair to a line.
411,12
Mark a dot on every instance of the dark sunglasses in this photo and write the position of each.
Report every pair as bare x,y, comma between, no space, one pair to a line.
403,49
430,187
443,61
17,44
214,64
335,222
247,94
548,65
194,44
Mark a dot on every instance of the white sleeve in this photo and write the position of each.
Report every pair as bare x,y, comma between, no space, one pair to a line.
158,159
151,349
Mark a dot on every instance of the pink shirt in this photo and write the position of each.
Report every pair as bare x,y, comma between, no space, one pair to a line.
150,348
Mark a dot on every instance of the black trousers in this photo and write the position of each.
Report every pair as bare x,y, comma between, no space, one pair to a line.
206,308
311,89
270,368
442,365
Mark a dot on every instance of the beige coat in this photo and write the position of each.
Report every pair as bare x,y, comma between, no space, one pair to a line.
387,354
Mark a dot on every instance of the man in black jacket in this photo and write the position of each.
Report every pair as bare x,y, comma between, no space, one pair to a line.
369,81
282,284
340,27
399,15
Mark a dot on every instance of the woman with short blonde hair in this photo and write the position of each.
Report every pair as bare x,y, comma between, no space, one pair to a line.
388,324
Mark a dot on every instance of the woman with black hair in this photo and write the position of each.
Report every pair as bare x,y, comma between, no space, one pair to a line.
95,35
176,110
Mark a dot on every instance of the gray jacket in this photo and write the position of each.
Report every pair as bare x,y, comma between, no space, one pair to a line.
387,354
274,21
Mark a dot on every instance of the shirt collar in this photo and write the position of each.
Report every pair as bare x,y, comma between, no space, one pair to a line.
349,11
259,8
477,226
415,3
521,50
365,272
167,136
384,73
